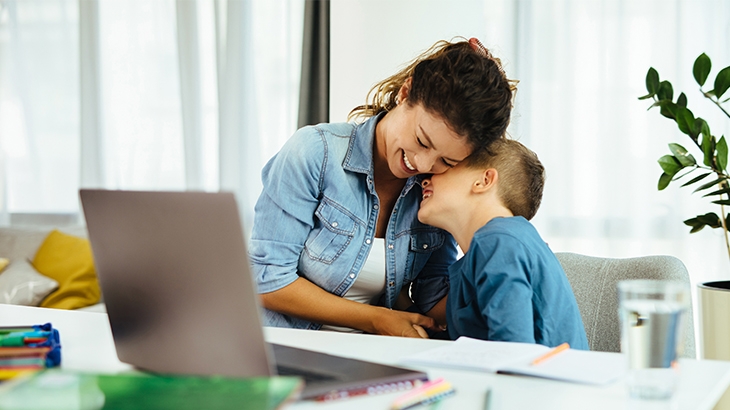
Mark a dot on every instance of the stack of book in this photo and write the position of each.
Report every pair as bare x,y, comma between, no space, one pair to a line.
28,348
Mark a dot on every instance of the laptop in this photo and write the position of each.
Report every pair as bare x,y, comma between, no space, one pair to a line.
176,280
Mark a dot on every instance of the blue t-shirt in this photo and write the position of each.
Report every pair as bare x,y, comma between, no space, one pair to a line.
510,287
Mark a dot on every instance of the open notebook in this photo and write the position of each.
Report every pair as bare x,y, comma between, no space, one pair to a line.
578,366
176,280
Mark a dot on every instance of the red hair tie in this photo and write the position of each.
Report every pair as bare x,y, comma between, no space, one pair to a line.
477,46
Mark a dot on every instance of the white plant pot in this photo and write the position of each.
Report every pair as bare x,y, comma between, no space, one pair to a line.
714,303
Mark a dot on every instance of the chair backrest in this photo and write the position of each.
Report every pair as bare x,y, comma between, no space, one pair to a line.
594,282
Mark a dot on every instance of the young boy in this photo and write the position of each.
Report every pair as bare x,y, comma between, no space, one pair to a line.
508,286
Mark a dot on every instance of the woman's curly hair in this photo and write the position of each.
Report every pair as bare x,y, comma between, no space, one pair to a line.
460,82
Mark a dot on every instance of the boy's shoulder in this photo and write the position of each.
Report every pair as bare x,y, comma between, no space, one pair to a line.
516,226
514,235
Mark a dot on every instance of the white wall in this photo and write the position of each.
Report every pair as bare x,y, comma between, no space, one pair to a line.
373,39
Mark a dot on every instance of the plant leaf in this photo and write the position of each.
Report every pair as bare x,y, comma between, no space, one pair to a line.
695,179
664,181
708,149
696,228
699,127
721,154
691,222
682,100
667,108
705,128
722,202
665,91
710,219
709,184
670,165
702,68
718,192
685,120
695,224
722,82
652,81
685,158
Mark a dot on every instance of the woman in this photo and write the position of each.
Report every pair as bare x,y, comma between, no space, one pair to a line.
336,241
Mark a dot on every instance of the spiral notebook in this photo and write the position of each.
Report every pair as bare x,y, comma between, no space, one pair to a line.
176,281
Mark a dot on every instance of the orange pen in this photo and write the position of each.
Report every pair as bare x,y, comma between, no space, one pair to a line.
551,353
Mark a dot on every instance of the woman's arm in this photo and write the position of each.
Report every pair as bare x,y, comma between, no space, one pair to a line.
431,287
438,312
308,301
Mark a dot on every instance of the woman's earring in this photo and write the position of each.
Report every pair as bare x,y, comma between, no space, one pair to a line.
397,100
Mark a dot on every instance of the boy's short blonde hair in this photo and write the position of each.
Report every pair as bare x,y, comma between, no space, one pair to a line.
521,174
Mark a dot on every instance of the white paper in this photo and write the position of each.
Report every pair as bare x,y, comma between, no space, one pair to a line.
578,366
474,354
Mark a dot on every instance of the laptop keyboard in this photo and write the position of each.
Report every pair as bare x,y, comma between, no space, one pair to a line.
308,376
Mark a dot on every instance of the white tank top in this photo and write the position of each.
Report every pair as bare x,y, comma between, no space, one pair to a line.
370,283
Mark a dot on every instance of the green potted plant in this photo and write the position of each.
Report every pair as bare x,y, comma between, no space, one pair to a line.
710,178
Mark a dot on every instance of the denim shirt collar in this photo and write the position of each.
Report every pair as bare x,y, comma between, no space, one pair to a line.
361,150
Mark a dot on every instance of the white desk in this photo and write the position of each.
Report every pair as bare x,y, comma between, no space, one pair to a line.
87,345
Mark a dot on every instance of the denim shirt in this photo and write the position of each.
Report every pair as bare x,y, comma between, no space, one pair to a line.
316,218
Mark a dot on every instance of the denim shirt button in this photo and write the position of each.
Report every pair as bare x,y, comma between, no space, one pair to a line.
425,246
391,284
376,206
334,224
352,276
390,246
367,241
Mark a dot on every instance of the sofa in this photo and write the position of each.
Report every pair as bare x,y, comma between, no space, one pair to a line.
48,267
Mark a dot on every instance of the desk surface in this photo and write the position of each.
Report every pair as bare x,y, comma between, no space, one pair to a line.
88,346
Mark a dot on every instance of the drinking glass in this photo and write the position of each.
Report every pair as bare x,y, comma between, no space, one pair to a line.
651,313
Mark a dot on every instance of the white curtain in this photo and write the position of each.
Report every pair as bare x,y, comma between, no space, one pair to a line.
137,94
582,66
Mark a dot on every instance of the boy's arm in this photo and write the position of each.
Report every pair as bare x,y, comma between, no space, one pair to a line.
503,291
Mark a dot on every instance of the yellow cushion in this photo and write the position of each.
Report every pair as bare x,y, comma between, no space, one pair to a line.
4,263
68,260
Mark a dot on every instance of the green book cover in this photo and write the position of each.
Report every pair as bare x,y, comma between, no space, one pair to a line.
60,390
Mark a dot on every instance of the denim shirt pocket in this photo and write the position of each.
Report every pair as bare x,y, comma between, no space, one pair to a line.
333,231
426,241
422,244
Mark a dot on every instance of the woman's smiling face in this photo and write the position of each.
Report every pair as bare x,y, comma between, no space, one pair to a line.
415,141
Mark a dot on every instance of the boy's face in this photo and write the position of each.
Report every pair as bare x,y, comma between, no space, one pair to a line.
444,195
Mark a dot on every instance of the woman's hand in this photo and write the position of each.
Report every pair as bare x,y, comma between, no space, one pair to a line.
404,324
308,301
421,331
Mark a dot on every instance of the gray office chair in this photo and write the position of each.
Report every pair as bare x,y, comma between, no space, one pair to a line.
594,284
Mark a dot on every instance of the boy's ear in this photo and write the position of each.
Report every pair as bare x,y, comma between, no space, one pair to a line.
487,180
